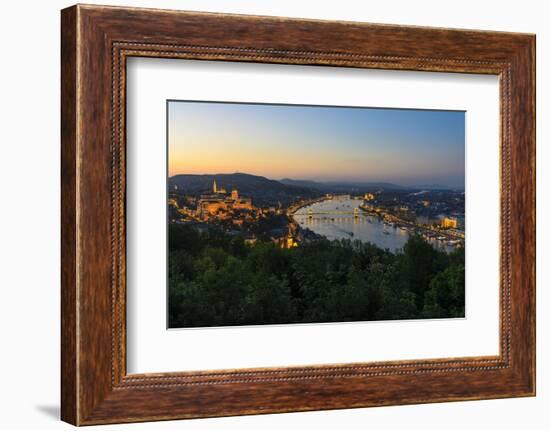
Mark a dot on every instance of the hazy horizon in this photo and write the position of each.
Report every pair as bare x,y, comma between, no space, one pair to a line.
317,143
317,181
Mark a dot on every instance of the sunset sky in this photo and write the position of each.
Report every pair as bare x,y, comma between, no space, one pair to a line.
406,147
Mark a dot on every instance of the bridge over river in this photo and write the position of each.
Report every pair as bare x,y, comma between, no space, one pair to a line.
311,213
293,209
338,219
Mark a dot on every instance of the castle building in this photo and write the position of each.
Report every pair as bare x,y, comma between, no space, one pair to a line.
210,206
218,202
217,190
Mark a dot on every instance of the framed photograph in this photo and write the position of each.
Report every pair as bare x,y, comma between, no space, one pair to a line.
267,215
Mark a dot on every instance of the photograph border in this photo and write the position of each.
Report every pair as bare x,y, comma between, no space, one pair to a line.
95,43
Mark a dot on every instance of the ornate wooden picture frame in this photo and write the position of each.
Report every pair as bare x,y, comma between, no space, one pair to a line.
96,41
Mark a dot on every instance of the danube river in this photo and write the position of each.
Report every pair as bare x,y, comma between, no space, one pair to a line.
334,219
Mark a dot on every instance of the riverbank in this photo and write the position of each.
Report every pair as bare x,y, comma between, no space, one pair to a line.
347,219
427,232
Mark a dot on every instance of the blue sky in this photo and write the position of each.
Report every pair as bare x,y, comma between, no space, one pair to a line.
408,147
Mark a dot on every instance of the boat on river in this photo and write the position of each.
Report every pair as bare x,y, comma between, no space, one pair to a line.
386,233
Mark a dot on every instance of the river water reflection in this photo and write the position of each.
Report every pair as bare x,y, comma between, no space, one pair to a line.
335,219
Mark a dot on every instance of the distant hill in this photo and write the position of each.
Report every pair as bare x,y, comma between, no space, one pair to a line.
267,192
263,191
344,187
438,187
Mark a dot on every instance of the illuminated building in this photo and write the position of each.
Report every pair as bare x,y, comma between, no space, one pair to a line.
218,202
240,204
290,242
449,223
217,190
210,206
173,202
287,241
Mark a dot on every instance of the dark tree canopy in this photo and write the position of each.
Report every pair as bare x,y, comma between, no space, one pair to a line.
217,280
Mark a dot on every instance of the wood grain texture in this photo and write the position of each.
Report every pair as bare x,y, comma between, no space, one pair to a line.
96,41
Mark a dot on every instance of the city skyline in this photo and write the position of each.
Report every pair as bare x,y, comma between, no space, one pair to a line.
318,143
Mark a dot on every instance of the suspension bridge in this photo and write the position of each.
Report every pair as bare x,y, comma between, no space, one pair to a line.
355,212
